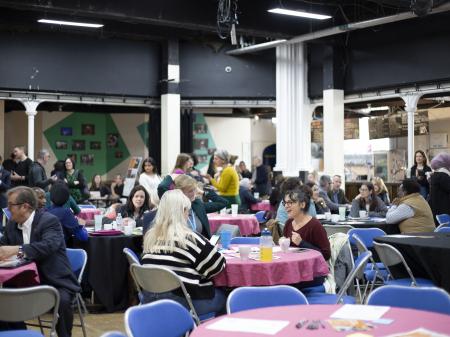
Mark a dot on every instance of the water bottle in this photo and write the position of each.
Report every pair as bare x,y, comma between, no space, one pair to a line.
119,222
265,246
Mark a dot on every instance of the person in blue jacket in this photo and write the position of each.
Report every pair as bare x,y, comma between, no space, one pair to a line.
59,194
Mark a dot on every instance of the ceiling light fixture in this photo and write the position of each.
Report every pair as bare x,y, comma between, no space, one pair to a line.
299,13
71,23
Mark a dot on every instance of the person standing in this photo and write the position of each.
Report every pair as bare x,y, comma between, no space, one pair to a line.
5,184
19,175
38,176
76,182
243,171
440,185
419,172
149,177
261,178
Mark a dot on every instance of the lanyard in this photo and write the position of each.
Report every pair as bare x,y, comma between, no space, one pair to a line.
192,222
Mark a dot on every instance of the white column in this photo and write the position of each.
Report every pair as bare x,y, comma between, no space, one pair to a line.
293,111
333,131
170,124
411,101
30,110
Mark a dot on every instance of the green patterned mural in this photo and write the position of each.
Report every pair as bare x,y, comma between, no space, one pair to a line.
143,132
93,140
204,145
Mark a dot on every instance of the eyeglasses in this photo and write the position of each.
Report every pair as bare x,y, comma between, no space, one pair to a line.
288,203
363,189
12,204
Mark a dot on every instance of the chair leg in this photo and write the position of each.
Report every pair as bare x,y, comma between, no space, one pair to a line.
85,311
40,325
80,314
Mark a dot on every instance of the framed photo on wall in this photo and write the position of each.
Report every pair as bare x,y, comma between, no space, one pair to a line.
112,139
93,145
87,159
78,145
88,129
65,131
61,145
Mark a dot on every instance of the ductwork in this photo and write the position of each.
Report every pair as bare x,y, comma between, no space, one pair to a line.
336,30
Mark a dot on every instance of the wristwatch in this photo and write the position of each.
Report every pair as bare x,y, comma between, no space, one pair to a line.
20,253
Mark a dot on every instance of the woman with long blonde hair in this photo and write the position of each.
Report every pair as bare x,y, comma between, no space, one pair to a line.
381,190
171,243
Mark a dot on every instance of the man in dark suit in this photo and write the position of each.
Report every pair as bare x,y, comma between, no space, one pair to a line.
5,184
38,236
337,194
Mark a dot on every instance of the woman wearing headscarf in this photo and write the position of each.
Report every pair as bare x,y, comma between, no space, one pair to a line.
440,185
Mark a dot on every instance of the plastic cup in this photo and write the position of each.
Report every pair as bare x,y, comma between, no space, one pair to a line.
234,209
244,252
342,210
128,230
284,244
256,195
98,222
223,211
225,239
363,214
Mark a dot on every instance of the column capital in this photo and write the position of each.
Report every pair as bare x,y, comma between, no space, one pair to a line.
411,100
31,106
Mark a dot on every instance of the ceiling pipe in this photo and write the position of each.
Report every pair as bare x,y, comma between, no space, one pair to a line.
336,30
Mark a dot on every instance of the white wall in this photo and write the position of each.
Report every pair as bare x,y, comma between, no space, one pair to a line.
263,134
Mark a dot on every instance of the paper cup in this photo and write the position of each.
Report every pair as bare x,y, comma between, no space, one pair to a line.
128,230
363,214
244,252
107,226
234,209
284,244
256,195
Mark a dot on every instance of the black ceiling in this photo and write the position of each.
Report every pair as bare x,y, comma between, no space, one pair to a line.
153,19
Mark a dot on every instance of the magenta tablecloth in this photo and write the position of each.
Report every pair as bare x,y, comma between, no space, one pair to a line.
404,320
88,213
261,206
26,275
288,269
247,223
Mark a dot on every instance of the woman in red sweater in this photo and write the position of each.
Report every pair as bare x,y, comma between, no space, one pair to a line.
304,230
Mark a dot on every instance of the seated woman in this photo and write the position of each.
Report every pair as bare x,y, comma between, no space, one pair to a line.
138,203
117,187
304,230
410,210
247,198
381,190
367,201
183,164
198,219
171,243
59,194
319,203
40,194
97,185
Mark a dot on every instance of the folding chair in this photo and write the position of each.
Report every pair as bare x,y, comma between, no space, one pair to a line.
151,319
444,228
357,273
332,229
247,298
243,240
113,334
133,259
366,236
421,298
22,304
391,256
443,219
161,280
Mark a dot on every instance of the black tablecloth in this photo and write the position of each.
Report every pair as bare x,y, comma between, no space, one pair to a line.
427,254
107,269
388,228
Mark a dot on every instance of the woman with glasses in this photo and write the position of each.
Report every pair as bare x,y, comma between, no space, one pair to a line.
304,230
368,201
172,244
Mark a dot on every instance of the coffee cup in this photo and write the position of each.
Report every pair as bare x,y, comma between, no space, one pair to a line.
234,209
244,251
363,214
284,244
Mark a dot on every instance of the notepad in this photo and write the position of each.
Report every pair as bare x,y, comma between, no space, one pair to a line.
261,326
362,312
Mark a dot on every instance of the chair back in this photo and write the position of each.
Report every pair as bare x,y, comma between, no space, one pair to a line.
131,256
261,216
443,229
243,240
22,304
366,235
421,298
152,320
391,256
246,298
78,260
333,229
113,334
356,273
443,219
160,280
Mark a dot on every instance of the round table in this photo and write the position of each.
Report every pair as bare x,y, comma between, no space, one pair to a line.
261,206
247,223
427,254
289,268
404,320
365,223
23,276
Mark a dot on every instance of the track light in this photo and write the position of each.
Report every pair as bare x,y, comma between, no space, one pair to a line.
71,23
299,13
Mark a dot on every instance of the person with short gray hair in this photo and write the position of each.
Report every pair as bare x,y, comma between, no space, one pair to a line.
324,188
38,176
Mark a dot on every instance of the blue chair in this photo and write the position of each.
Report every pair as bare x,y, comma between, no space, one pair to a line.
243,240
260,216
133,258
23,304
421,298
247,298
152,320
443,219
391,256
113,334
442,229
356,273
366,236
78,260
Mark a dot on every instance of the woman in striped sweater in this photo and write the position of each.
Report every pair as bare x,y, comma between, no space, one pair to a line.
172,244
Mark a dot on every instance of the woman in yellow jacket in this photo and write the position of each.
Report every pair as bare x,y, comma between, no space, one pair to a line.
228,184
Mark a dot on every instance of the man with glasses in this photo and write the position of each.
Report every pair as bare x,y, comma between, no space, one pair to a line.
38,236
336,193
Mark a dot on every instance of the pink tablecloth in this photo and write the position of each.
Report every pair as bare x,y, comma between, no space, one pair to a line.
290,268
88,213
26,275
247,223
404,320
261,206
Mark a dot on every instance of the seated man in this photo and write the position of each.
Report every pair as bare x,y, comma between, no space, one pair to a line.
247,198
337,194
38,236
410,210
324,188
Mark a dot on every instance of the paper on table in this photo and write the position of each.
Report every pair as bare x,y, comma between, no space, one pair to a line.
419,332
262,326
363,312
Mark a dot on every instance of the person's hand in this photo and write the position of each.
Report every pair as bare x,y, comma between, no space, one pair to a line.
76,182
320,200
296,238
358,197
207,176
54,177
199,192
8,251
15,176
81,222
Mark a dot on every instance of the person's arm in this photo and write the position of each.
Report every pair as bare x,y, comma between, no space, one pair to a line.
5,182
209,262
36,177
381,209
331,205
73,205
312,208
71,223
224,182
354,211
216,202
397,214
164,185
